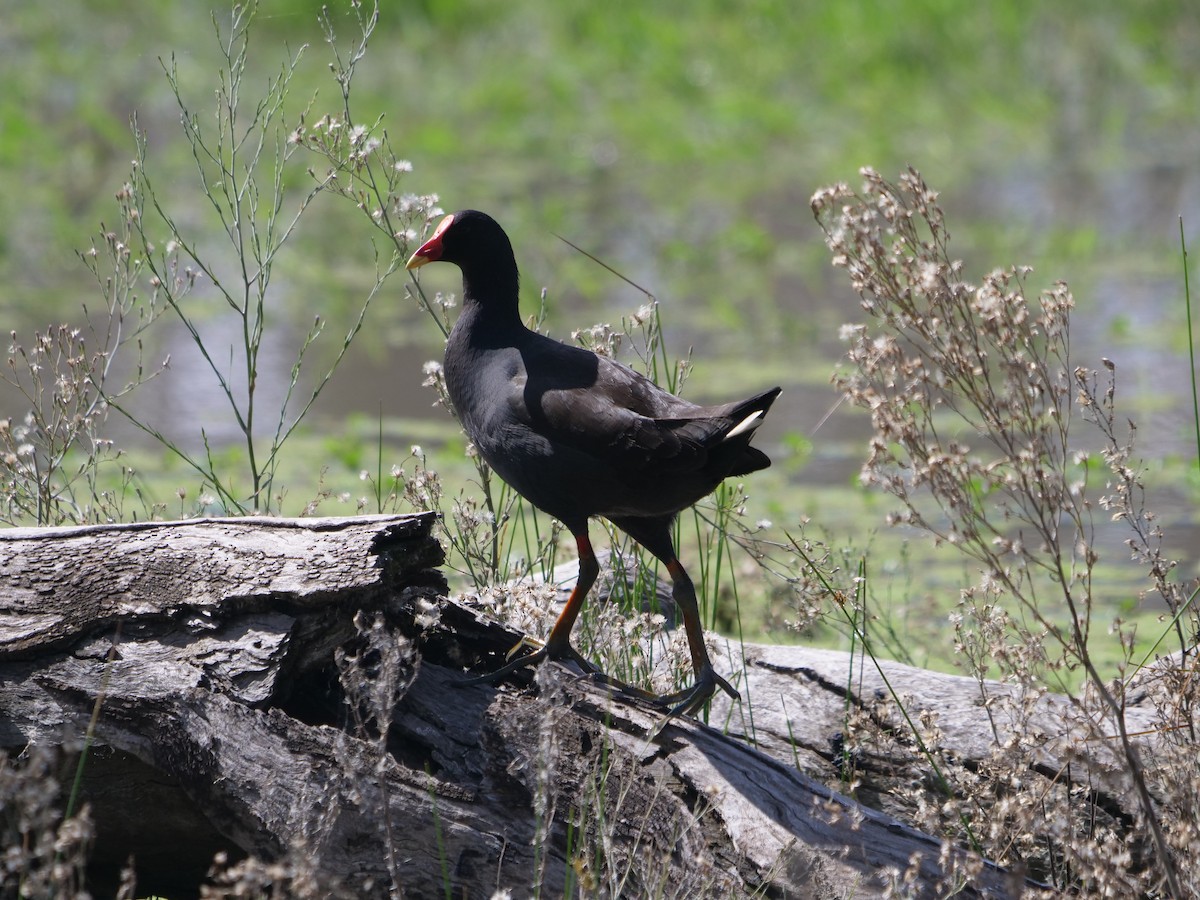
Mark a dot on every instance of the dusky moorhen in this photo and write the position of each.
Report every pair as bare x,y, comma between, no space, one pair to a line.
581,435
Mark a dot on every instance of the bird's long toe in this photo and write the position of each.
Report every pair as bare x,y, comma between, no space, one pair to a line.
561,653
567,653
521,662
685,702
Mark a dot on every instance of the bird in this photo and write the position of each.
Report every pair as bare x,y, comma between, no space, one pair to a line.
580,435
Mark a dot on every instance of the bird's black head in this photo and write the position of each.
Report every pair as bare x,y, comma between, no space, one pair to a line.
469,239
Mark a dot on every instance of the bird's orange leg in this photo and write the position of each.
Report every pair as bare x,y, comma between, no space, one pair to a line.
558,645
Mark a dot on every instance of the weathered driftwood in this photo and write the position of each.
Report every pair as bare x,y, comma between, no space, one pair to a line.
803,696
214,649
796,701
837,717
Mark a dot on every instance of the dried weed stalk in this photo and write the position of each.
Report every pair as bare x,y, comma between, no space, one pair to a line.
43,853
973,397
55,461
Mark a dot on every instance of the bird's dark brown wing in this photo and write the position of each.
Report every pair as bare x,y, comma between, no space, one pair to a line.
620,418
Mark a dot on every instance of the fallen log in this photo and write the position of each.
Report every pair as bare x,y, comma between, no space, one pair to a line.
286,690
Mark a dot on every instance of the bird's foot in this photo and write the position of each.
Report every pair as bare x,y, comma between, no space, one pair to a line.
687,701
564,653
570,654
524,642
507,669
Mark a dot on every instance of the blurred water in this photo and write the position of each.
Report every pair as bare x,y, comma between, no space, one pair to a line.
1127,310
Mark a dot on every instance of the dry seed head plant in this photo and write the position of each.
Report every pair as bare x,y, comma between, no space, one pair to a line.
974,402
55,460
44,851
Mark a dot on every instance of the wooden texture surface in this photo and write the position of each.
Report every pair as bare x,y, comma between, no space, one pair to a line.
290,689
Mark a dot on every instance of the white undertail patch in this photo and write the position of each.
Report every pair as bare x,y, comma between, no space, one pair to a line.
747,424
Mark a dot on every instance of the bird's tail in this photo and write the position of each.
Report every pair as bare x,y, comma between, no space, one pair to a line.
745,417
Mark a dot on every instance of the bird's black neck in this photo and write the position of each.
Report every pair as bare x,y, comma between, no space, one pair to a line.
491,292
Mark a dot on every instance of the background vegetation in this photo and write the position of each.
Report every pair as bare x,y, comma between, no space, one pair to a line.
680,143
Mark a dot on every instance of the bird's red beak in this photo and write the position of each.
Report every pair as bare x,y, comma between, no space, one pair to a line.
431,250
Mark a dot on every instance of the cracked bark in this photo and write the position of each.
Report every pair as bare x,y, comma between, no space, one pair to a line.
224,726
